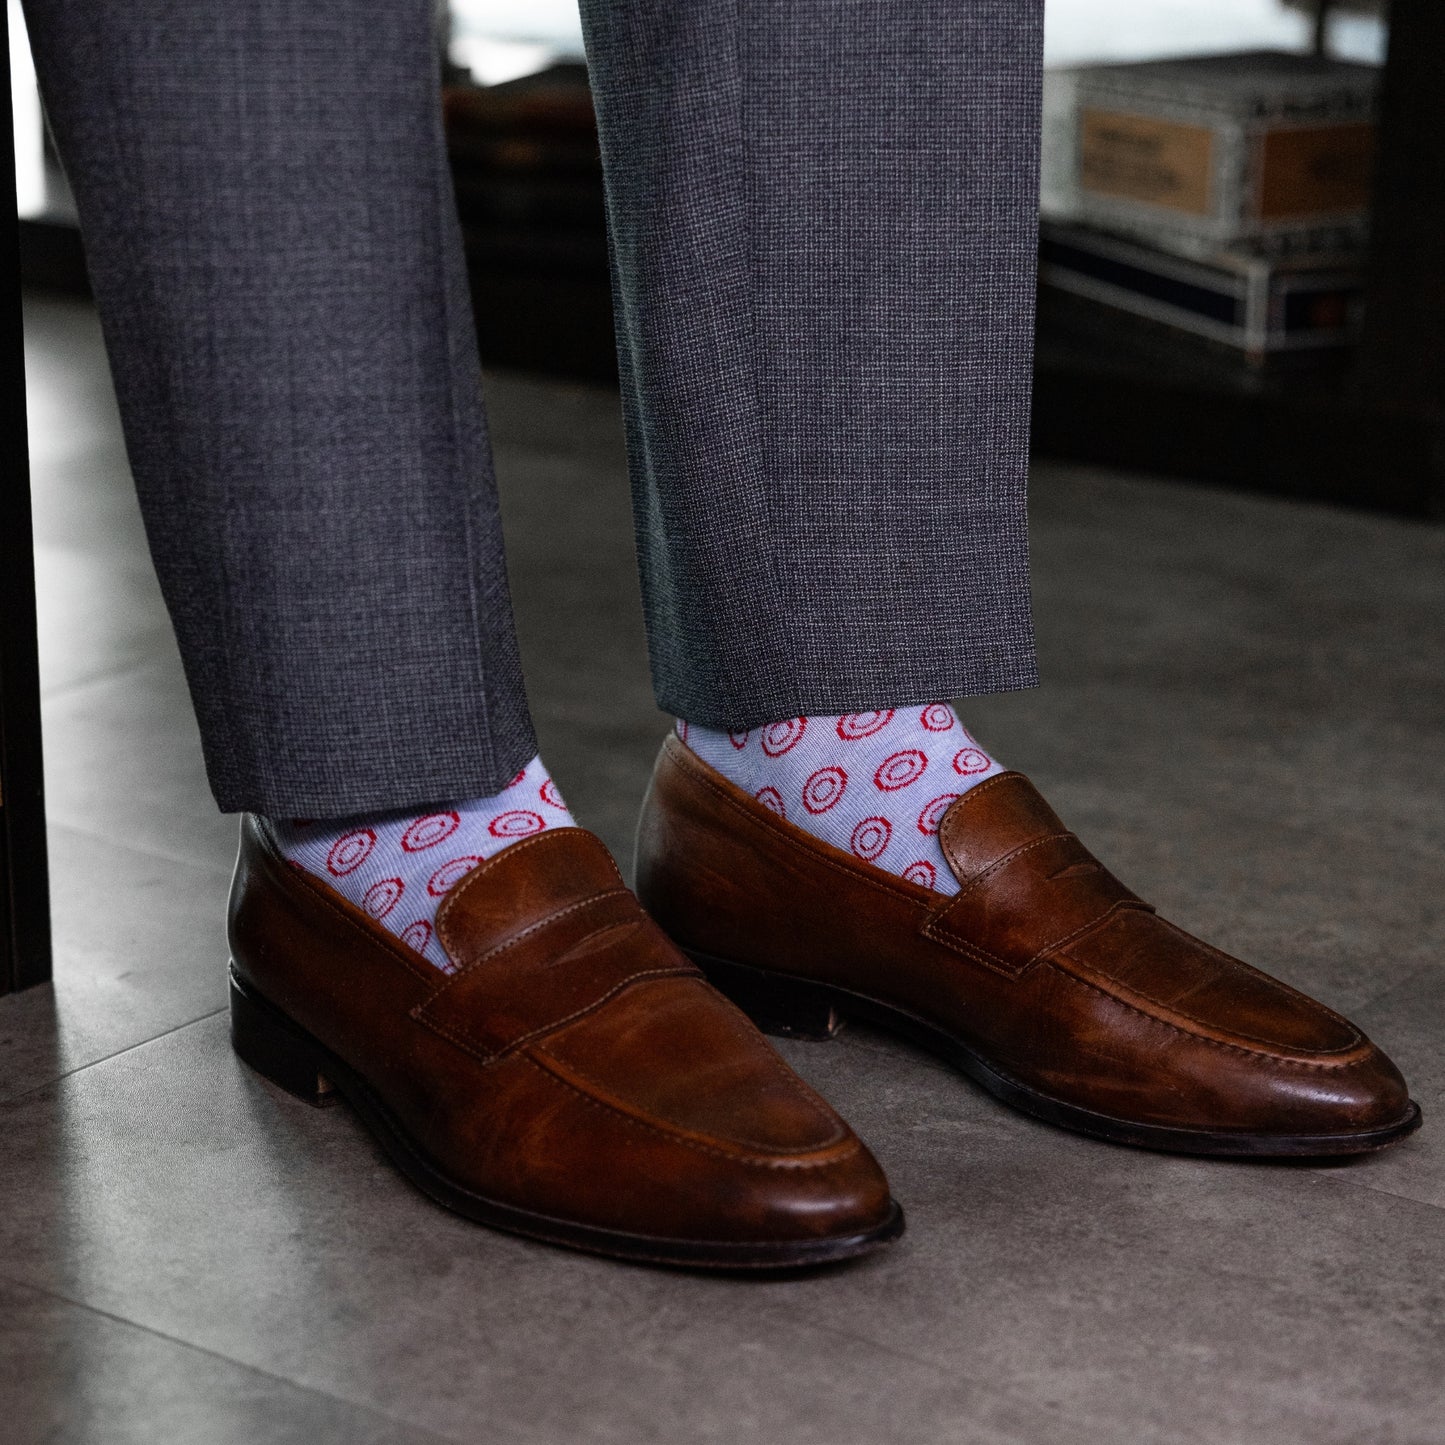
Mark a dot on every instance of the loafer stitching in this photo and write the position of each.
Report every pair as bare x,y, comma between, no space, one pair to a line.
474,1046
932,930
1220,1043
952,820
846,1147
936,925
1249,968
1355,1037
483,869
744,1030
471,963
981,878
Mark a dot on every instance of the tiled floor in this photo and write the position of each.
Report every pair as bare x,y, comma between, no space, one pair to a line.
1244,713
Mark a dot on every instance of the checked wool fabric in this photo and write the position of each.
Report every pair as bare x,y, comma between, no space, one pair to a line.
875,784
397,868
823,227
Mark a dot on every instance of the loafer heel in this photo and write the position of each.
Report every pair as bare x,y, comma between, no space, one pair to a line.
276,1049
786,1008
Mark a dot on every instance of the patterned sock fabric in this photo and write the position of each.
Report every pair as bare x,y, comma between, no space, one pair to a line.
875,784
397,867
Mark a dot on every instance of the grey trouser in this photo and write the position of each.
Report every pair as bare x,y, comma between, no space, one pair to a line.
822,217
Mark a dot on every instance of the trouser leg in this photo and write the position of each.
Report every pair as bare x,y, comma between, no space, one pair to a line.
823,220
273,245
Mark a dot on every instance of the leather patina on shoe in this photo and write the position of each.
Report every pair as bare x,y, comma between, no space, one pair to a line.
574,1078
1044,978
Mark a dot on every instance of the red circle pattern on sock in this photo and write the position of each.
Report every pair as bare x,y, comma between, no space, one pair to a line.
824,789
864,782
350,851
394,867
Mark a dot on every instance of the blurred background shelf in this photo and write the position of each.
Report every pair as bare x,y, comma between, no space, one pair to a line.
1362,427
1111,390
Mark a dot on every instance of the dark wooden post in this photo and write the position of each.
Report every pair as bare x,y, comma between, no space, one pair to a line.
1402,359
24,887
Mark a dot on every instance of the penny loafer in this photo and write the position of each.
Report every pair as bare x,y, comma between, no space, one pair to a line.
572,1077
1044,978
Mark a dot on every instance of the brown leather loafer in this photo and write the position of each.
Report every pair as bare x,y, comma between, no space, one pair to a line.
574,1078
1044,978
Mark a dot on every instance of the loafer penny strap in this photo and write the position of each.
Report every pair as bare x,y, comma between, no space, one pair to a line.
1031,902
531,969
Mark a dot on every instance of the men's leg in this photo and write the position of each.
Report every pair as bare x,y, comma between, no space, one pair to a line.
273,243
823,230
824,245
275,252
823,225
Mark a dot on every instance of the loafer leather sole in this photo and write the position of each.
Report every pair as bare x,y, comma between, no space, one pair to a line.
283,1052
798,1008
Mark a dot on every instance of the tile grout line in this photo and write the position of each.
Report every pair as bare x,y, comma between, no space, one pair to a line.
64,825
66,690
257,1370
1378,1189
1420,971
945,1370
943,1367
62,690
24,1094
1004,1398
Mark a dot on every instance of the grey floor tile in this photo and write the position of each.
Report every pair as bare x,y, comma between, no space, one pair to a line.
123,763
139,949
98,614
561,418
70,400
83,498
80,483
73,1377
1411,1018
1049,1288
172,1188
1139,1296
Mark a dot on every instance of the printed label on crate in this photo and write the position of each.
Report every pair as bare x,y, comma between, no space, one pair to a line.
1320,170
1143,158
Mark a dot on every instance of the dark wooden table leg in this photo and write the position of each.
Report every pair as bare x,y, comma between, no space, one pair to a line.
24,885
1402,358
